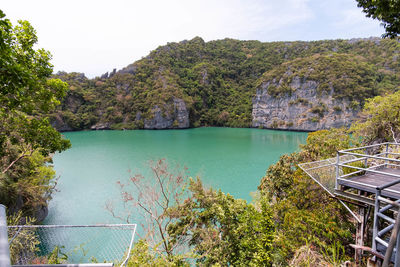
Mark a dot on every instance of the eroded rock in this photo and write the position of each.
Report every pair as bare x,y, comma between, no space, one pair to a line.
301,109
177,118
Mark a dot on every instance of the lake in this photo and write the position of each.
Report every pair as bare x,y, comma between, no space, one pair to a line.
233,160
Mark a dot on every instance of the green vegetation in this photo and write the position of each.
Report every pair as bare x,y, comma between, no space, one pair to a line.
345,75
292,221
303,212
25,240
181,214
218,79
27,139
223,230
386,11
381,120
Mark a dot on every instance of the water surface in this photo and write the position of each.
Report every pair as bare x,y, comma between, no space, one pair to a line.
230,159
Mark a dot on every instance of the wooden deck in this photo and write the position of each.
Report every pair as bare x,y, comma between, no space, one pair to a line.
370,181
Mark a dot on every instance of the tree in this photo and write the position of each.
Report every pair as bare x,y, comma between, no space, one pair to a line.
224,231
387,11
27,95
380,120
152,196
181,215
302,211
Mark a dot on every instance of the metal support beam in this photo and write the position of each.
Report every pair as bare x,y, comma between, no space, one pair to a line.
392,242
376,221
4,249
387,150
337,170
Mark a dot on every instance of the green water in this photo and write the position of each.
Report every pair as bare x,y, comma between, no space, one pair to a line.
233,160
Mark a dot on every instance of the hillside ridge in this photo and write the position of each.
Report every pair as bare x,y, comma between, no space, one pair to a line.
235,83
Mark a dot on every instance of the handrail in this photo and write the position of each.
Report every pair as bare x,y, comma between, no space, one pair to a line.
374,156
362,147
372,162
388,185
370,170
366,169
370,156
125,262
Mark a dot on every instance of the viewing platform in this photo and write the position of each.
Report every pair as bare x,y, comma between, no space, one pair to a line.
358,173
367,171
367,177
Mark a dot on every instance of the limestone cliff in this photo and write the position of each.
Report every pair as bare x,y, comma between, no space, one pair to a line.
313,93
178,117
303,109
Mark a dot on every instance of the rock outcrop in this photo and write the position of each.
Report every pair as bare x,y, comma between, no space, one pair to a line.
302,108
59,123
177,118
101,126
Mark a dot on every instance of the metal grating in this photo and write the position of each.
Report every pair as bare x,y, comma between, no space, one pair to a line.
70,244
323,172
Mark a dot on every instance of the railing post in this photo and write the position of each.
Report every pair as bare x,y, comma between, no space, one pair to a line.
387,154
337,170
397,258
4,249
376,218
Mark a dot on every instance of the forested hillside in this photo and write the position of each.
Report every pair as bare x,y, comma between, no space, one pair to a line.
232,83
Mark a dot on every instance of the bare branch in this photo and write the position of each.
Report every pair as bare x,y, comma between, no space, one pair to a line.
161,186
151,197
109,206
393,135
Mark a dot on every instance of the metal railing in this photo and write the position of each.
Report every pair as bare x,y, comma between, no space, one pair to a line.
379,159
348,170
383,225
323,173
369,159
65,245
71,243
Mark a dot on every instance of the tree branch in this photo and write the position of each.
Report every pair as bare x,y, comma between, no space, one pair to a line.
162,187
24,154
393,135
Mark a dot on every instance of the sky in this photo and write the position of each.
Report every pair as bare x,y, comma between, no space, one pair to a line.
96,36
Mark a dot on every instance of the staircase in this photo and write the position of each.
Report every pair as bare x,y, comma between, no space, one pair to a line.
386,221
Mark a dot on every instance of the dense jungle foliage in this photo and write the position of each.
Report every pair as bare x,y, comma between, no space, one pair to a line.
218,79
27,139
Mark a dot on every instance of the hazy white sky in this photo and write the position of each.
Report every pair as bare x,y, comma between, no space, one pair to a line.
95,36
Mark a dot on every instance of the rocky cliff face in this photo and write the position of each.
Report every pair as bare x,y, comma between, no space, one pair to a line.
302,108
177,118
60,124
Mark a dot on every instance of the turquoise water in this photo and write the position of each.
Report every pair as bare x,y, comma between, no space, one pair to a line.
230,159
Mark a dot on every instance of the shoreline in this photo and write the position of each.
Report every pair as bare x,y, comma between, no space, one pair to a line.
166,129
